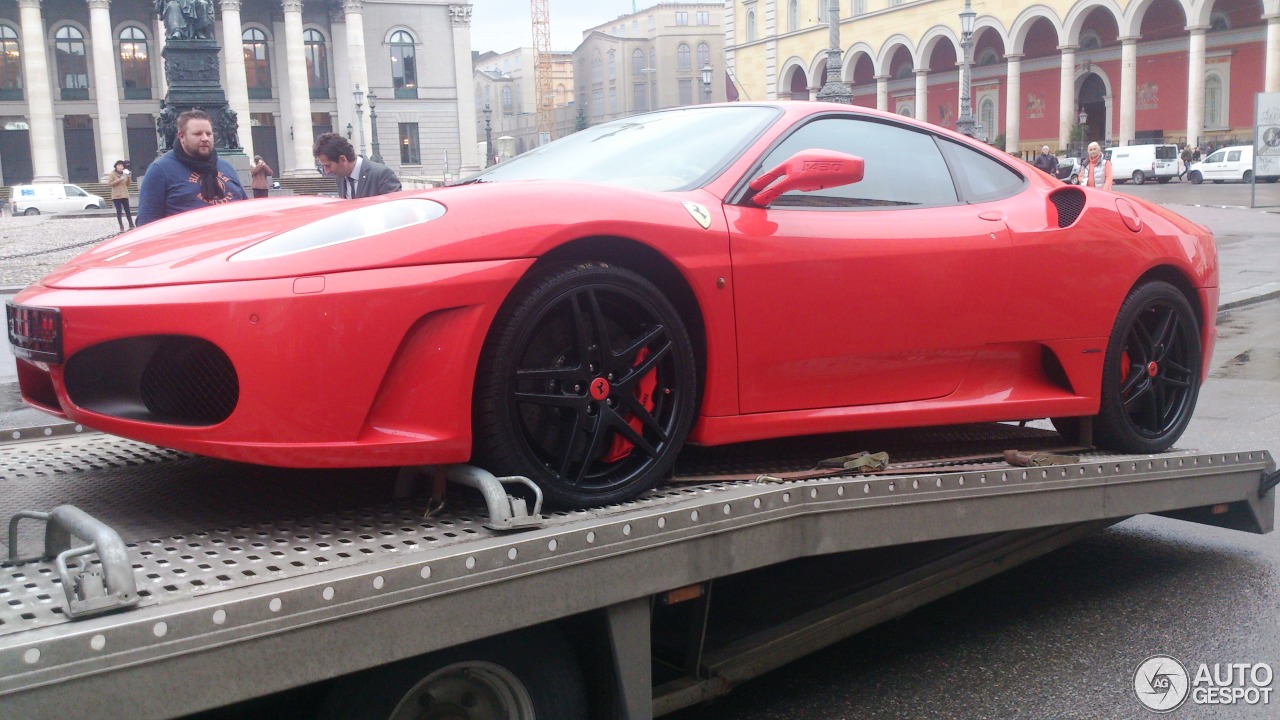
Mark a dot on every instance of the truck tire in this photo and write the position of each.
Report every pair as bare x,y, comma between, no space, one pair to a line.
525,675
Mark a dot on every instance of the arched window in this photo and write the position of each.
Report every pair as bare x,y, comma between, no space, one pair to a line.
506,100
135,64
257,68
1219,20
10,64
751,25
1213,115
73,67
988,56
1089,40
905,70
704,55
793,15
317,55
683,61
987,116
637,61
613,66
597,71
404,66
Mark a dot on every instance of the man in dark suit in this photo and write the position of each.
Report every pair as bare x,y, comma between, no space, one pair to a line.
357,177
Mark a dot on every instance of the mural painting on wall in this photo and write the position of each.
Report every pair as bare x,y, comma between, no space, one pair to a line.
946,115
1148,96
1035,105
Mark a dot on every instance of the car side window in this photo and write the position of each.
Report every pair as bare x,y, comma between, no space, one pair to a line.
1216,157
903,167
73,191
981,178
1233,156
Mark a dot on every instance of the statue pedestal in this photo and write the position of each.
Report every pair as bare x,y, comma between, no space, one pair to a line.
191,67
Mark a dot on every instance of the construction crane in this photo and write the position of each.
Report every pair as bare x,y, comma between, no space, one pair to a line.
541,13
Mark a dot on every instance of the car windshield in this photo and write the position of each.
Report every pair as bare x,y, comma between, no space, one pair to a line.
665,150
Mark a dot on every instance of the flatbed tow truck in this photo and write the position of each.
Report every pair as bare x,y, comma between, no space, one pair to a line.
207,584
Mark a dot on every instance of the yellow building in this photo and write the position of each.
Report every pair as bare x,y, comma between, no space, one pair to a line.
1116,71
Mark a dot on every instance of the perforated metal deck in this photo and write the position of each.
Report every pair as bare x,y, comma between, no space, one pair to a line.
244,564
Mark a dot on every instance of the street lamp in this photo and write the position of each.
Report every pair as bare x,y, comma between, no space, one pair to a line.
706,81
373,127
488,137
350,130
965,124
1083,118
834,90
359,97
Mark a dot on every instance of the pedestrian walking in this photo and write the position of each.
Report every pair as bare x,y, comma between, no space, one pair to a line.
1187,157
260,171
357,177
1097,169
1046,161
119,179
190,176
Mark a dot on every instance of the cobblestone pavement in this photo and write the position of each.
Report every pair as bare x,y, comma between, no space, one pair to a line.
31,247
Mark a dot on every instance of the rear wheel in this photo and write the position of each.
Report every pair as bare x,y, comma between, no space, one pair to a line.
587,385
1196,178
1151,376
1163,180
1248,176
31,211
528,675
92,207
1138,177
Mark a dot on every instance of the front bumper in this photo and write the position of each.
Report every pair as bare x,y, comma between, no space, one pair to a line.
365,368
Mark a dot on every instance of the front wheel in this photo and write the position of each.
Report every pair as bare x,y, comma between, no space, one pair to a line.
1196,178
31,211
587,385
92,207
527,675
1138,177
1151,376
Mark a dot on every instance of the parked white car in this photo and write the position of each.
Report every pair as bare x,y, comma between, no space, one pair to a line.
36,199
1141,163
1228,163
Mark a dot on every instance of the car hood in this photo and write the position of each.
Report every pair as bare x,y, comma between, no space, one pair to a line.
483,221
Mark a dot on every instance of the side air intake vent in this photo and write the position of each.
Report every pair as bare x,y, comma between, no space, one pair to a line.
1070,203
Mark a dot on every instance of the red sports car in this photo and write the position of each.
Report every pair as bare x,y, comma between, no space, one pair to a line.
710,274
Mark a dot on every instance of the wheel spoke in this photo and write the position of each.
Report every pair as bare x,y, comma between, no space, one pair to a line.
1166,334
549,374
627,355
582,331
599,327
1171,366
623,427
1131,402
1157,409
551,399
1141,337
597,429
636,408
1137,374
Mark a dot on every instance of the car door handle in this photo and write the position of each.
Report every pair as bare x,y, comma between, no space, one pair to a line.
992,215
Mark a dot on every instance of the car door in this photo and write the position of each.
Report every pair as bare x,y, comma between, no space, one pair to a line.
875,292
1234,168
1215,166
77,199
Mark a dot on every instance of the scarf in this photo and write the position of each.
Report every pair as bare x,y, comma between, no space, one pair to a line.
210,188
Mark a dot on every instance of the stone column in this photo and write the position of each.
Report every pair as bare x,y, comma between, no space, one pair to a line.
157,75
299,93
882,92
110,126
237,81
1195,85
1013,105
1066,94
354,11
464,81
1271,83
1128,90
37,84
922,95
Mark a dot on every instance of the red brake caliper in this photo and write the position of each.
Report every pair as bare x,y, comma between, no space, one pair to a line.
621,446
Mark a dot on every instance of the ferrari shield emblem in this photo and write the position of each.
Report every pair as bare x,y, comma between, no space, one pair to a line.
699,213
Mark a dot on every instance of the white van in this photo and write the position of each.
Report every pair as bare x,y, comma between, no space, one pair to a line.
1228,163
1141,163
36,199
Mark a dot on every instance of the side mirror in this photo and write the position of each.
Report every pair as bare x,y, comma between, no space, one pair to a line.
806,171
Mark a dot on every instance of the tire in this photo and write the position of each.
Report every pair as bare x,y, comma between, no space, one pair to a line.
1151,375
1138,177
554,404
92,207
31,211
1217,182
526,675
1248,176
1163,180
1196,178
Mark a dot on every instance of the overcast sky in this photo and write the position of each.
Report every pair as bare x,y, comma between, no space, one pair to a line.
502,25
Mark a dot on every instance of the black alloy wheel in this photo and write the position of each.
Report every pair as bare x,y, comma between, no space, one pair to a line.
1151,376
587,386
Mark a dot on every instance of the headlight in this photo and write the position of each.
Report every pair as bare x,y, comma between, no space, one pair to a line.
344,227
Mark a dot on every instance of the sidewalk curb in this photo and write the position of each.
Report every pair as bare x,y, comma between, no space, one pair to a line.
1245,302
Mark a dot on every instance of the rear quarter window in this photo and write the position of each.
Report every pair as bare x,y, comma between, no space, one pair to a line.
1233,156
980,178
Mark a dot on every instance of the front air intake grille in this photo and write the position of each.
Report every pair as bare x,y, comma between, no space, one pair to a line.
166,379
1070,203
190,381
